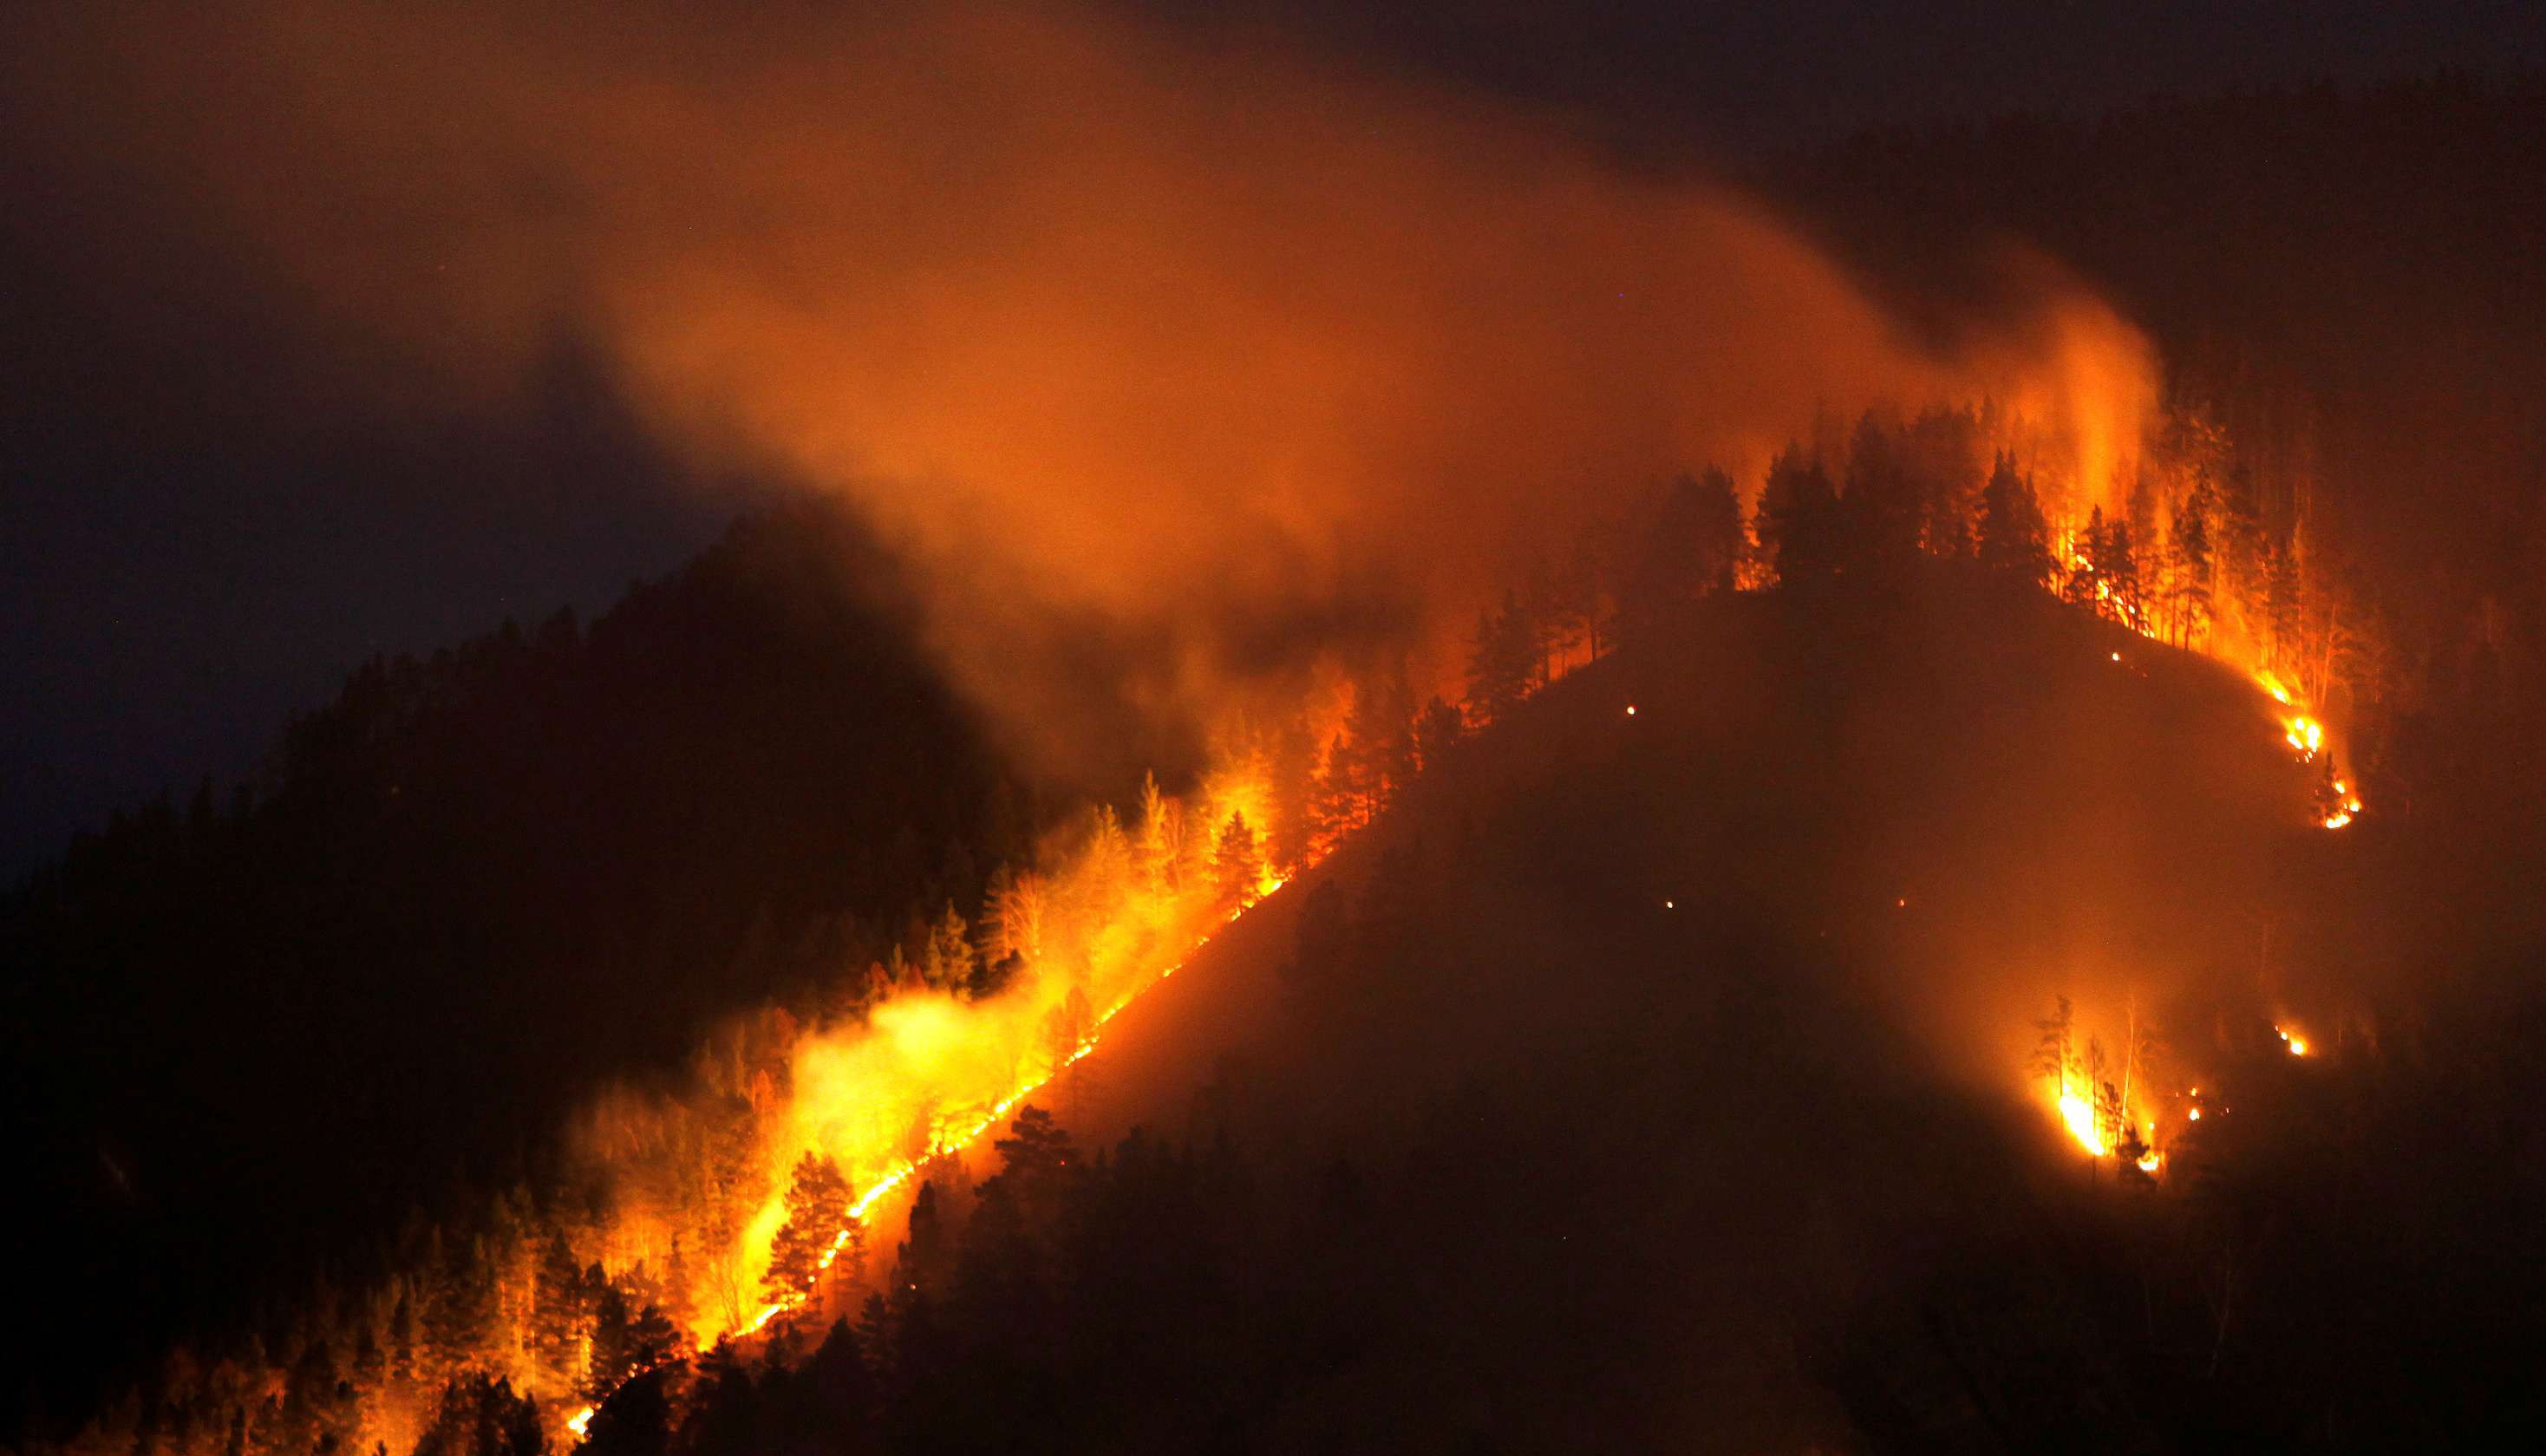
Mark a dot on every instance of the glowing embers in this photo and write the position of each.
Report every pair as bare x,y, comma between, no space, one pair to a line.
2297,1044
580,1423
2306,736
2335,804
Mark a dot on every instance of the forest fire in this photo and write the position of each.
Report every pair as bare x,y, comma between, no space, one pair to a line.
1115,493
2078,1116
960,1137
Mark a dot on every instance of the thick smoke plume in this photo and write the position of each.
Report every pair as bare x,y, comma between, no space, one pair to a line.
1219,358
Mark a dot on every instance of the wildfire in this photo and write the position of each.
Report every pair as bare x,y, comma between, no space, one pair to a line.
2079,1116
964,1135
2307,736
2298,1045
2099,1104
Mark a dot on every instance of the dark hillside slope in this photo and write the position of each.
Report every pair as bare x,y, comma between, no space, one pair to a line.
244,1037
1660,1109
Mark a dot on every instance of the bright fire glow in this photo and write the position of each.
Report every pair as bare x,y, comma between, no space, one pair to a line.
956,1138
2079,1116
2307,736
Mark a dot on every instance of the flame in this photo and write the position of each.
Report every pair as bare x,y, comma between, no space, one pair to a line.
580,1423
2079,1116
964,1136
2307,736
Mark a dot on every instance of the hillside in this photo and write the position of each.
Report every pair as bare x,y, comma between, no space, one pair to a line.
250,1038
1659,1082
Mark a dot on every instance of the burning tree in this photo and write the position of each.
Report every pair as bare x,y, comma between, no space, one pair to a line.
818,1210
1237,863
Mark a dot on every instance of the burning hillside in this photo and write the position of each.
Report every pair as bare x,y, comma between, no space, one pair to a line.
1752,774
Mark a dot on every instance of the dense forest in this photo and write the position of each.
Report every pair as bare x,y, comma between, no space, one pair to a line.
410,1028
276,1019
2349,281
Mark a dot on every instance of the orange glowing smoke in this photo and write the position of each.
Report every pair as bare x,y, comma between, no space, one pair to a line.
1223,353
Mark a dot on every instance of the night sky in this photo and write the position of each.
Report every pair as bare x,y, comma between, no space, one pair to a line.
203,530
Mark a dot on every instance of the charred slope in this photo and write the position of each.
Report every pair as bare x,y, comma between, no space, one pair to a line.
246,1036
1656,1081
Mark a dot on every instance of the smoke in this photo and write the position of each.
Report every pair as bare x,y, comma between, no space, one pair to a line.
1215,357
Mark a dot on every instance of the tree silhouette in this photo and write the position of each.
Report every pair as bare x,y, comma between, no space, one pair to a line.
2014,540
1502,665
1236,863
818,1209
1799,524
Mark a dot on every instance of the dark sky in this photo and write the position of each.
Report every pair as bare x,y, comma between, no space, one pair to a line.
202,534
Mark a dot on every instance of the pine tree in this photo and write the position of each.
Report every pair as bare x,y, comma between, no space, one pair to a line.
818,1209
1236,863
2120,567
1502,667
1381,726
2192,562
1015,915
1340,803
2014,540
1034,1159
559,1312
2085,568
2051,1059
946,963
1880,513
1065,1027
625,1343
459,1316
1684,547
1799,524
482,1417
1437,731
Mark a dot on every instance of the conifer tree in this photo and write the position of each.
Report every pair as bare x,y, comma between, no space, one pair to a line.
2014,540
1503,664
560,1314
1437,731
818,1209
1236,863
946,963
2192,562
1799,524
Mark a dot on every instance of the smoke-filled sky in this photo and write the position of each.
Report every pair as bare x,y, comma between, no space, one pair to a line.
1219,338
